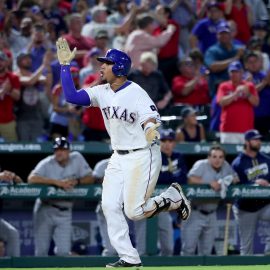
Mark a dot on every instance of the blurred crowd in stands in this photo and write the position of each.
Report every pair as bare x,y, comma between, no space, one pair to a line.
204,63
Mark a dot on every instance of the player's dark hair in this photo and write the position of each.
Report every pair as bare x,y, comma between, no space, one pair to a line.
216,148
143,20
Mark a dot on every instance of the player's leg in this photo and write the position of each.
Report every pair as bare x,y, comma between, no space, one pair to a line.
140,236
112,205
43,229
12,238
142,169
191,231
247,224
207,239
108,249
62,232
165,234
264,214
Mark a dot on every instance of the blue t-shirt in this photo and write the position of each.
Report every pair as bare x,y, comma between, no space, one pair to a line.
249,170
178,171
214,54
206,32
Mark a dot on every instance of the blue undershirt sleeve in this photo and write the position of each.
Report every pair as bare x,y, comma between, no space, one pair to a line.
72,95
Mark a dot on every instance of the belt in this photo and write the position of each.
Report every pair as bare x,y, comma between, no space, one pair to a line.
204,212
124,152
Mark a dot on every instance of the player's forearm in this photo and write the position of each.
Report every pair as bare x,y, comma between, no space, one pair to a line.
35,179
72,95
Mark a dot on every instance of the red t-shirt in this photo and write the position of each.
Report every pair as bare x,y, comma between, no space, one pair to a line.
241,19
81,43
170,49
199,96
239,115
7,103
92,116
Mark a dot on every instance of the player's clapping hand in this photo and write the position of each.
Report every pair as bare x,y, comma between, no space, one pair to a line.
64,53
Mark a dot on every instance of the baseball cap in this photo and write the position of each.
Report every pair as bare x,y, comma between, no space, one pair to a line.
223,27
167,134
235,66
187,111
61,143
252,134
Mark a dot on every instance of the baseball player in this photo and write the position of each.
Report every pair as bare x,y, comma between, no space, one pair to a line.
173,169
52,218
8,233
253,168
131,119
200,230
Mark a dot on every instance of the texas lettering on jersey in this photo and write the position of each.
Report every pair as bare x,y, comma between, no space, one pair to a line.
117,112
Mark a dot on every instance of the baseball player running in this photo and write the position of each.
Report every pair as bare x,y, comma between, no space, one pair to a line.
131,119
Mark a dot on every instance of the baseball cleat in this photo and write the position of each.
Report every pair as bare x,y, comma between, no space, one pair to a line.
122,263
184,210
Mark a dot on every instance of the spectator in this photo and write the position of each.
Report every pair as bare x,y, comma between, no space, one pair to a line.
37,46
190,130
261,30
253,168
75,39
200,230
183,14
237,98
102,41
141,40
30,120
19,39
50,12
191,86
240,12
204,32
152,80
9,92
52,218
9,235
62,112
259,10
91,65
262,84
173,170
255,44
100,22
168,54
220,55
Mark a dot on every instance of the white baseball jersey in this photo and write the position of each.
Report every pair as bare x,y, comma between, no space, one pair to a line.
124,112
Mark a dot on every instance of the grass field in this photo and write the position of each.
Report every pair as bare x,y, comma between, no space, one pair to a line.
230,267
